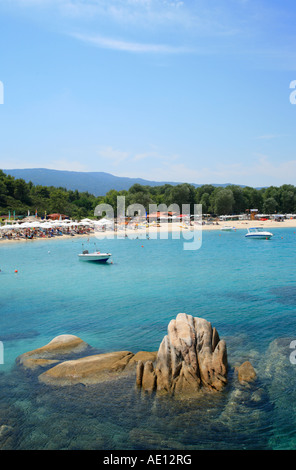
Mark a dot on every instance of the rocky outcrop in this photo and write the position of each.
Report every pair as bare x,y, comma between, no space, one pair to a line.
190,356
146,377
87,370
60,347
142,356
64,365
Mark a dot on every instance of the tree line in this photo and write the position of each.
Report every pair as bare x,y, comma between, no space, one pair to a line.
19,197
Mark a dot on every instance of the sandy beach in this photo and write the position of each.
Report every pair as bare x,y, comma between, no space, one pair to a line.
237,224
155,231
43,239
245,224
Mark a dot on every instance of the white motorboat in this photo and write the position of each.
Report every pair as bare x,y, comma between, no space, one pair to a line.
95,256
228,228
256,232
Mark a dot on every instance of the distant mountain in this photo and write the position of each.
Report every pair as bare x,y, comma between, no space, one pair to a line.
97,183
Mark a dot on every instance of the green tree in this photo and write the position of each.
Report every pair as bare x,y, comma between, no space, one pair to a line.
3,192
205,188
58,201
253,198
223,201
240,203
41,191
111,198
270,205
183,194
10,185
287,197
140,197
205,202
21,191
137,188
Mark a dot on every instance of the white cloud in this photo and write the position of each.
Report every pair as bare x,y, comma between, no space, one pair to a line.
179,26
122,45
262,172
150,15
283,171
155,166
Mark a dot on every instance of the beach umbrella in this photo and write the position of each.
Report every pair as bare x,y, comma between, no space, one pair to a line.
30,225
61,224
87,220
58,223
26,225
103,222
35,224
46,225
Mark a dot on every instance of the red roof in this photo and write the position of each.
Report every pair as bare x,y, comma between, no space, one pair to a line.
160,214
58,216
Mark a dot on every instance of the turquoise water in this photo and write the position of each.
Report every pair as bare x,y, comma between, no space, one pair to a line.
245,288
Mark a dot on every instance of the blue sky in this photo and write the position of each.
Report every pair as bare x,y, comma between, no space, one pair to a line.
167,90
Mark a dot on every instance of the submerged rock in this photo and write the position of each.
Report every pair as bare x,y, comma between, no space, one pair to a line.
246,373
52,352
278,369
5,435
191,356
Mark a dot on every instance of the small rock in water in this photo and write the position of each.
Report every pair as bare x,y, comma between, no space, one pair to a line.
246,373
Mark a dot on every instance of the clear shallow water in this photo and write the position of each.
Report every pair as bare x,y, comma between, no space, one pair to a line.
245,288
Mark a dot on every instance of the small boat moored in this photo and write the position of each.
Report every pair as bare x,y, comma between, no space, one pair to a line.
228,228
259,233
95,256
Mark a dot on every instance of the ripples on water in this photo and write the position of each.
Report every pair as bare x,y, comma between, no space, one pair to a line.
123,418
245,289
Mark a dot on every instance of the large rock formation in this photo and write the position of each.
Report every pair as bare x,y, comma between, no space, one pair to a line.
190,356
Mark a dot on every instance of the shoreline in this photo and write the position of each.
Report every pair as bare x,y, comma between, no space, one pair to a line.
162,229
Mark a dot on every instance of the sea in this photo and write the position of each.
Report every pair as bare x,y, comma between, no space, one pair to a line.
245,288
